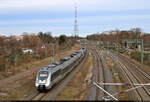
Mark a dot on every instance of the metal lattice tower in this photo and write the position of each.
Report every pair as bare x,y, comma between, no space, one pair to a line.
75,22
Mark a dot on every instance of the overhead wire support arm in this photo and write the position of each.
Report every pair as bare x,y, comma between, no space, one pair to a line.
105,91
127,84
121,92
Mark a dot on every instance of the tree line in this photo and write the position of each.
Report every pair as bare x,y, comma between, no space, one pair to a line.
134,33
11,50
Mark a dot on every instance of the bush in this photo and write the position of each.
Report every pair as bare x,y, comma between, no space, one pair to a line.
62,39
2,67
136,56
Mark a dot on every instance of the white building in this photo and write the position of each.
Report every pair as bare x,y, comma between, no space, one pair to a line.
26,50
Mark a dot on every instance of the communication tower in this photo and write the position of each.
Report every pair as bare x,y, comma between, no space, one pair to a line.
75,22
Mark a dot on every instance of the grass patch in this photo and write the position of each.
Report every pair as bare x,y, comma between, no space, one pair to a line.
77,88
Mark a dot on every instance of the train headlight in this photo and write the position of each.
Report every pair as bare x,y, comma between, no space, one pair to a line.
47,84
36,84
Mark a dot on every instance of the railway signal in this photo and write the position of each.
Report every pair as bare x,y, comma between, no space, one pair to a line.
125,44
135,41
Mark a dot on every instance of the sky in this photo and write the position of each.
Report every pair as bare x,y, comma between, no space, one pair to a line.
57,16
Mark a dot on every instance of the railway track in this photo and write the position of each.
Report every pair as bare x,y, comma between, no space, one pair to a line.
99,77
101,71
53,92
99,93
134,74
137,67
108,78
140,76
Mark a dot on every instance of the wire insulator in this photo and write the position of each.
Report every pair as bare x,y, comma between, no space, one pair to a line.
127,84
121,92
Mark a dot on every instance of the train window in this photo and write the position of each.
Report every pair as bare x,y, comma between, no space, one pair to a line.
43,75
52,66
68,57
62,60
75,53
67,68
65,59
55,74
71,55
56,63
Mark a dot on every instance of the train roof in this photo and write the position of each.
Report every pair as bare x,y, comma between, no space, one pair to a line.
48,67
51,65
65,59
56,63
45,68
77,52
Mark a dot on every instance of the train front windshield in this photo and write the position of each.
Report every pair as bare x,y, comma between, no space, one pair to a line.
43,75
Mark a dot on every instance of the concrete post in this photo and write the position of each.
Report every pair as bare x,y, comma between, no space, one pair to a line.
149,60
53,54
142,48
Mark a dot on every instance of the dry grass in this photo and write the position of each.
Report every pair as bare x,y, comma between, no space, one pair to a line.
22,87
116,78
18,89
77,88
144,66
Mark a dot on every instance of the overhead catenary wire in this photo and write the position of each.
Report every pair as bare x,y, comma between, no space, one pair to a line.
127,84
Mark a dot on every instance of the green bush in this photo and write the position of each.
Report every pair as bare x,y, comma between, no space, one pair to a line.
136,56
62,39
2,67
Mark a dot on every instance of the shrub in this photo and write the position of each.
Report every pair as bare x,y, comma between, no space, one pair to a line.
136,56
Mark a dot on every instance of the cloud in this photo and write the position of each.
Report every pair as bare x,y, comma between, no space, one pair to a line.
56,30
21,15
115,18
82,20
67,5
36,21
68,30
